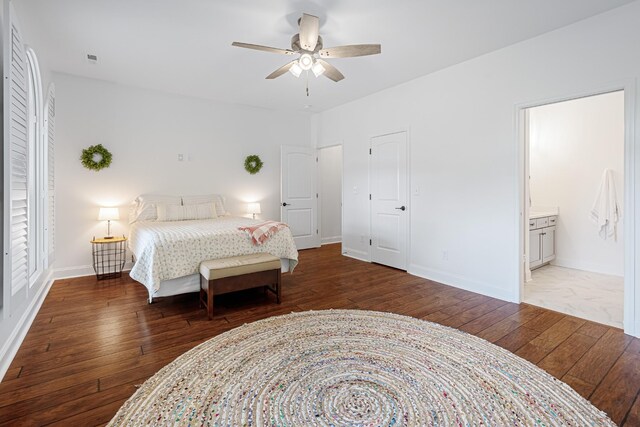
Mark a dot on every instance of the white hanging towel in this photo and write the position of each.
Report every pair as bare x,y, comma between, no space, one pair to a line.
605,211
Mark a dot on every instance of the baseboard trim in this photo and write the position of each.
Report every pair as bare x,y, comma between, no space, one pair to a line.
630,330
593,268
356,254
461,282
80,271
330,240
11,347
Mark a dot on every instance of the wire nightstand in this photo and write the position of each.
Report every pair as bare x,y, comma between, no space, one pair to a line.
108,257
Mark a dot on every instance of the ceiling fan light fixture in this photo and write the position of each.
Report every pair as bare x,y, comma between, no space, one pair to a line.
317,69
305,61
309,52
295,69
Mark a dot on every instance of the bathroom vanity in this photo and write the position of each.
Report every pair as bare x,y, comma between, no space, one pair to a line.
542,237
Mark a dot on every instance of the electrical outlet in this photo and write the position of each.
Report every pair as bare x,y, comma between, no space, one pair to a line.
445,255
362,239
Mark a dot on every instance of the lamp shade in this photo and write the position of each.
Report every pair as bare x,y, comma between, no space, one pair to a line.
317,69
295,69
253,208
108,214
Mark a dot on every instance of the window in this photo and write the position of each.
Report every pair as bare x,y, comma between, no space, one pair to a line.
25,174
35,174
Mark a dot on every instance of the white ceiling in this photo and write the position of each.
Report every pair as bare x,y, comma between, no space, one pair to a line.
184,46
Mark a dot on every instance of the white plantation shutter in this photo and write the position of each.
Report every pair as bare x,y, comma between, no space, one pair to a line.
51,183
15,156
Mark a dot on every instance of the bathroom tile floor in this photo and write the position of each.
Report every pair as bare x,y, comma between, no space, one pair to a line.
592,296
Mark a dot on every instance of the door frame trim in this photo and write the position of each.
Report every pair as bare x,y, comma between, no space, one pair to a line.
407,132
631,187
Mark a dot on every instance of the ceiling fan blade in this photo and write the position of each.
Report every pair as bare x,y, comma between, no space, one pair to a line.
350,51
309,27
330,71
282,70
264,48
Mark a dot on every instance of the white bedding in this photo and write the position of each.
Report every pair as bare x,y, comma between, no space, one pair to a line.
173,249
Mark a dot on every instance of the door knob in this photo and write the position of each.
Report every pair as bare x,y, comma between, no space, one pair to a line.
401,208
286,204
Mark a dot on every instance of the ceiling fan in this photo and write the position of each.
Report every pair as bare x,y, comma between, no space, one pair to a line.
307,44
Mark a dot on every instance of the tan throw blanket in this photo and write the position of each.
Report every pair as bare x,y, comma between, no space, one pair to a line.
260,233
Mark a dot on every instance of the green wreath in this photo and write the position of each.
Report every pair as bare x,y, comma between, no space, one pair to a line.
89,155
253,164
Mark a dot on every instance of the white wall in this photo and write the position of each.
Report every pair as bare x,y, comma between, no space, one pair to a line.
145,131
33,38
464,149
330,171
571,143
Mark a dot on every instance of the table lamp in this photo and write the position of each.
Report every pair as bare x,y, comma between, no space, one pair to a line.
108,214
254,208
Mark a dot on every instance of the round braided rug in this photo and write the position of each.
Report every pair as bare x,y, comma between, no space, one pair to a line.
353,368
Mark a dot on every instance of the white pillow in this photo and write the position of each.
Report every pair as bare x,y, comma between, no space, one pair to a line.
145,206
158,198
183,213
215,198
133,212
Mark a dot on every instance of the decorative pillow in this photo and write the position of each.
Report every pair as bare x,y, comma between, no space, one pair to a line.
215,198
145,206
133,212
187,212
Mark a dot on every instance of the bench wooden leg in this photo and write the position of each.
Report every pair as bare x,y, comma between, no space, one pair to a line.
203,292
279,286
206,296
210,300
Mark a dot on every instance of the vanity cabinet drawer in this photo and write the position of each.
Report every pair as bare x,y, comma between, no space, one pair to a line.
542,222
553,220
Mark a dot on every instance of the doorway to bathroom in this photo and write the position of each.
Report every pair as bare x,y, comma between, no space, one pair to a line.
574,225
330,194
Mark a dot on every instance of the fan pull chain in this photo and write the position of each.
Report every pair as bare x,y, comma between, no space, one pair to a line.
307,83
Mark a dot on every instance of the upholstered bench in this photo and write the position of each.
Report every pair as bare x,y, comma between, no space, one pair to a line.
220,276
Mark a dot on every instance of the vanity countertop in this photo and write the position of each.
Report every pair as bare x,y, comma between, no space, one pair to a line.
542,212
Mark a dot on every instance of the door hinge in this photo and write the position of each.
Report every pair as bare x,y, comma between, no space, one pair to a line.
369,242
369,150
369,196
316,195
316,159
316,231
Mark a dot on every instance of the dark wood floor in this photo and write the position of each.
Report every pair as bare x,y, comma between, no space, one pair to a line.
92,342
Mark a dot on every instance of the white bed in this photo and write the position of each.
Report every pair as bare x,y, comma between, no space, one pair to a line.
168,253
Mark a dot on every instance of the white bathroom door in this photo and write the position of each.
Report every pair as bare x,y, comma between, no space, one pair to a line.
389,209
298,192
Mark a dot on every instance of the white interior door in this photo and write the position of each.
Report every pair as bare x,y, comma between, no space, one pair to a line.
299,197
389,210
